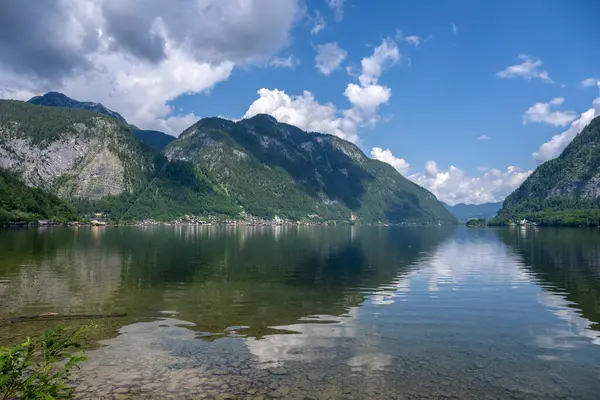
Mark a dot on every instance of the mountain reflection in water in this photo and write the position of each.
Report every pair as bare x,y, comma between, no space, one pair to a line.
362,312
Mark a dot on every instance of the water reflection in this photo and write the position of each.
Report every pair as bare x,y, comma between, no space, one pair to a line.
566,263
214,277
343,312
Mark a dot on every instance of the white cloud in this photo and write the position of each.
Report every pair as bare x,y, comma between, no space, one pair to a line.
386,156
555,146
454,28
304,112
413,40
285,62
136,56
368,98
456,186
337,6
318,23
139,91
528,69
483,137
590,82
329,57
308,114
385,54
541,113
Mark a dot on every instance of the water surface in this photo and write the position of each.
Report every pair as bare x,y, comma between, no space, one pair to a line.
328,313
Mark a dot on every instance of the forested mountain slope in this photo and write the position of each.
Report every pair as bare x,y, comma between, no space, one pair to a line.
562,191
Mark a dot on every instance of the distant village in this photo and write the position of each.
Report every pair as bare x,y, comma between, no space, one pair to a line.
100,220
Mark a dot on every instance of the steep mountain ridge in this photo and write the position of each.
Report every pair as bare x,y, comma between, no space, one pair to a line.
272,168
258,166
562,191
74,153
155,139
98,164
56,99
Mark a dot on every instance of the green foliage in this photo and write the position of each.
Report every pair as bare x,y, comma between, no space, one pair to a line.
39,369
476,223
19,202
258,165
271,168
566,217
557,193
154,139
42,124
55,99
179,188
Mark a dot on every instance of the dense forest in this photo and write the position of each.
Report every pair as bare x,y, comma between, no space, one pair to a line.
178,188
19,202
564,191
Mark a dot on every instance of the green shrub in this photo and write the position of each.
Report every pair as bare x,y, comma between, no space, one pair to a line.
39,369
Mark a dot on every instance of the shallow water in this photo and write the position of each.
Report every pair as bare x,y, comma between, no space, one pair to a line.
327,313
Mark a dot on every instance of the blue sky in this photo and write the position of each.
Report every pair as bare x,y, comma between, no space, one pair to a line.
444,95
445,92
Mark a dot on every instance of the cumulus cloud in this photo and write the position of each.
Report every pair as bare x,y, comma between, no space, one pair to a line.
386,156
455,186
555,146
542,113
590,82
368,98
372,67
530,68
304,112
307,113
483,137
329,57
134,56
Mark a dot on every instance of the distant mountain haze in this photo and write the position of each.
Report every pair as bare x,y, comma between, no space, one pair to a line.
464,212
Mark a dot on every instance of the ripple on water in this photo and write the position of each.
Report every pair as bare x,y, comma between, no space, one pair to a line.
336,313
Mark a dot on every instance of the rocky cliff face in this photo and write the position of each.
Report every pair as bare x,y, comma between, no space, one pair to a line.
75,154
257,166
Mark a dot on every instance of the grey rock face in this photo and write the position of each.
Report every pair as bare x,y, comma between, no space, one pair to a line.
84,163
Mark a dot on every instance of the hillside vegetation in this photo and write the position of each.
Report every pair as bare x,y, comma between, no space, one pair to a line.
19,202
562,191
91,158
270,168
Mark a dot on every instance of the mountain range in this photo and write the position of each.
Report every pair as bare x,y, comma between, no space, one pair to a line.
90,157
464,212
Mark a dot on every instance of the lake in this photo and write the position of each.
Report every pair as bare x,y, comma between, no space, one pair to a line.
317,313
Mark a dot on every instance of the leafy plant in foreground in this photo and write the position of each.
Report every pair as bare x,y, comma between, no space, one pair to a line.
39,369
